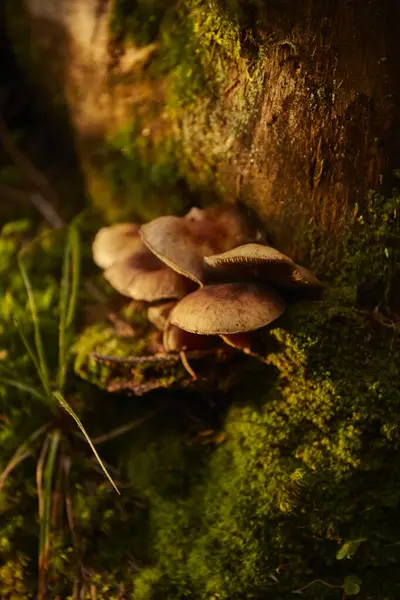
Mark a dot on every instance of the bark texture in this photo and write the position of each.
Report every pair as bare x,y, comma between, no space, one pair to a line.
301,137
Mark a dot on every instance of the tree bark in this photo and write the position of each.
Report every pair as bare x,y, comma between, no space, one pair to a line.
321,120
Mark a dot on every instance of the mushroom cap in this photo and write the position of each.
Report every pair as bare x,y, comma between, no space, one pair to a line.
158,314
174,241
262,262
115,243
183,242
227,308
143,277
234,226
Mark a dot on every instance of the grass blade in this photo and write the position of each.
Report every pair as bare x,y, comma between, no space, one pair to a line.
23,387
75,245
20,454
44,370
62,324
68,301
28,347
69,410
45,522
39,475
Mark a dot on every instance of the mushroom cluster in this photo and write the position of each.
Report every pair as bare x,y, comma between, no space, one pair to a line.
207,279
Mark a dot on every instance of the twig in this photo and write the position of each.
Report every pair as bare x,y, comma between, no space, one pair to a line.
162,357
47,211
329,585
31,173
123,429
43,201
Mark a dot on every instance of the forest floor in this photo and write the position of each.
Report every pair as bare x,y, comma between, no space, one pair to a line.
264,479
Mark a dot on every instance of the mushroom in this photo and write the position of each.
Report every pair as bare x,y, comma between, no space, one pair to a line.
142,276
241,341
264,263
174,338
115,243
227,308
183,242
174,242
158,314
177,339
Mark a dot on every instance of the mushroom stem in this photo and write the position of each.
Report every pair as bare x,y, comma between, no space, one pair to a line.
186,365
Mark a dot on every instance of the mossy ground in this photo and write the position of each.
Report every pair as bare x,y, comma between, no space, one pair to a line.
288,481
232,494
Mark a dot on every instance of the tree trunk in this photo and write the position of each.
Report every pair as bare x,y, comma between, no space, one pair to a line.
302,121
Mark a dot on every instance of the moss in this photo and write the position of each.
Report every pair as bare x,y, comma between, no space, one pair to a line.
143,375
313,467
12,580
363,263
195,37
142,174
137,20
101,338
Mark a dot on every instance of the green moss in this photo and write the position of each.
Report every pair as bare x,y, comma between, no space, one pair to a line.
195,38
314,466
12,580
143,175
364,262
137,20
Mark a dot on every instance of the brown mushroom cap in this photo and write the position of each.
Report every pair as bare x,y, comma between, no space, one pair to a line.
262,262
227,308
232,224
143,277
183,242
115,243
173,240
158,314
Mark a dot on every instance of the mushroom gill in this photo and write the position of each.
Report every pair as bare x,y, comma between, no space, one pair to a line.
142,276
256,261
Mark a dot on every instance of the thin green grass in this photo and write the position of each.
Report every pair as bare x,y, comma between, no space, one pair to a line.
50,389
45,521
40,363
68,302
69,410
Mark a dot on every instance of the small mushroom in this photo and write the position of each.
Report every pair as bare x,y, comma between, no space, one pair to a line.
176,339
173,241
241,341
115,243
183,242
142,276
158,314
261,262
227,308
